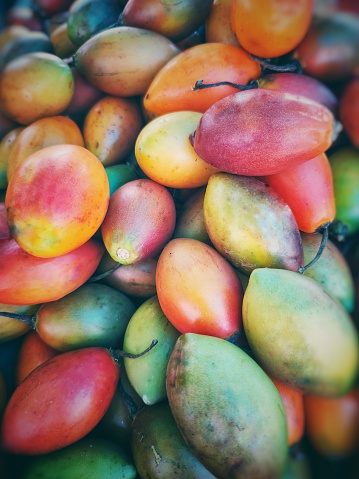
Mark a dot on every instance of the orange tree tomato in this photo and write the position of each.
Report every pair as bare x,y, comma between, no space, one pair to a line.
172,87
198,290
270,28
332,424
56,200
308,189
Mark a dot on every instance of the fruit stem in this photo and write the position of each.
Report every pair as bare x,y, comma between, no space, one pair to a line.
119,353
322,245
199,85
293,66
93,279
25,318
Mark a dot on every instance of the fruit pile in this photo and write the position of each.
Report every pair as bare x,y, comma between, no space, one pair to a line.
179,224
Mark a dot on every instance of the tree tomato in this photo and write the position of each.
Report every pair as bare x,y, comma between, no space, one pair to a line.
198,290
59,402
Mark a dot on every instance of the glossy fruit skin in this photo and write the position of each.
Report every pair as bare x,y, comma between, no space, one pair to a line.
36,85
56,200
294,409
26,279
123,61
299,334
329,51
300,84
32,352
213,307
172,19
49,131
232,419
308,190
240,134
154,429
332,424
349,111
140,220
172,87
59,402
89,457
264,234
270,28
344,163
165,154
218,25
111,127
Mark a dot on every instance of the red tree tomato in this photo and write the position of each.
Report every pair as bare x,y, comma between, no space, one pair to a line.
59,402
308,189
198,290
349,110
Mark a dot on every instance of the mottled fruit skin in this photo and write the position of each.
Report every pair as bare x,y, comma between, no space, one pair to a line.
250,224
227,409
240,134
158,448
59,402
299,333
56,200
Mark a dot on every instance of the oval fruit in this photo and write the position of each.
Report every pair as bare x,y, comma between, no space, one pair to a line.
140,220
165,154
299,334
56,200
227,409
122,61
270,28
59,402
34,86
240,134
250,224
213,306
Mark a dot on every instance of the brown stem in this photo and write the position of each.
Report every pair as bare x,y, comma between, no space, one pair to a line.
30,320
322,245
119,353
199,85
93,279
293,66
